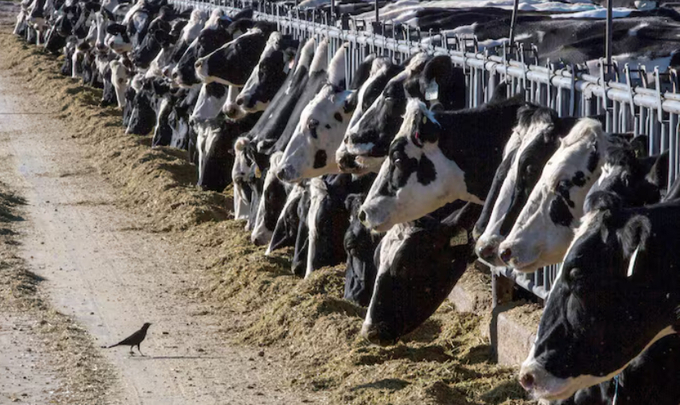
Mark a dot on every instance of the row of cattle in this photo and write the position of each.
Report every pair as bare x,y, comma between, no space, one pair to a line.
391,174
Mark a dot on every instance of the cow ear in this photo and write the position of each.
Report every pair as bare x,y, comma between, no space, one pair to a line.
113,29
640,145
351,101
635,234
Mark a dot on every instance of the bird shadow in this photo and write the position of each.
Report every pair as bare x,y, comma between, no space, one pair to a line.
147,357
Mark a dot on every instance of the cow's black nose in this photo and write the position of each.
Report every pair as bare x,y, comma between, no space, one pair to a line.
506,255
486,252
526,380
346,162
239,101
362,215
281,174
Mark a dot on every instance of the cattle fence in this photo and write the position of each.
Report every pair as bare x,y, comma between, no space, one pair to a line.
633,99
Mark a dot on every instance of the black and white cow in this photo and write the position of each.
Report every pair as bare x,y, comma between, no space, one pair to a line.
276,61
271,204
545,226
408,290
437,158
360,245
540,130
650,378
328,217
217,31
217,157
435,81
232,63
286,229
617,293
311,150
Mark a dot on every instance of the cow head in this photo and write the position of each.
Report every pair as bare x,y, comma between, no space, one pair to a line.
368,138
233,62
217,31
544,227
632,180
615,295
210,101
541,130
271,204
311,150
415,179
408,290
117,39
275,62
158,35
286,229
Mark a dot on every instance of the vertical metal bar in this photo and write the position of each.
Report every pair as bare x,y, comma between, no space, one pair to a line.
513,22
609,35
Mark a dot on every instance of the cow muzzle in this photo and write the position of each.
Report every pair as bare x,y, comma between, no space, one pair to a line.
375,334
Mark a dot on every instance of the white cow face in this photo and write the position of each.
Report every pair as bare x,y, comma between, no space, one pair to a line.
527,163
416,178
311,150
545,226
209,103
120,79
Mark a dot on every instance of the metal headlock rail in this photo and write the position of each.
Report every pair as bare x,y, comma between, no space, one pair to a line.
632,99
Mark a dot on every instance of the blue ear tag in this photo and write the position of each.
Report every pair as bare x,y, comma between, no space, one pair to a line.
432,91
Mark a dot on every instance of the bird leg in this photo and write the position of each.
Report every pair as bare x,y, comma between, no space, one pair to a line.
140,351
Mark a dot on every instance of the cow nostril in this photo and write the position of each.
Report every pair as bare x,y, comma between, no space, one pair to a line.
239,101
281,174
526,380
487,252
506,255
362,215
175,75
198,64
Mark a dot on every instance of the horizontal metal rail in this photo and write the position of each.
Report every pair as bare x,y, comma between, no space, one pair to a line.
632,99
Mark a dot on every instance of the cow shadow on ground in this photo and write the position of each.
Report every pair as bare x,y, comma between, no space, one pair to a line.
145,140
503,392
479,354
390,384
428,332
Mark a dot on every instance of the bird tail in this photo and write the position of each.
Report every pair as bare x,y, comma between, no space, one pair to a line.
108,347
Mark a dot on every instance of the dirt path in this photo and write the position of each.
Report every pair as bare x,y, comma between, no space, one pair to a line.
112,277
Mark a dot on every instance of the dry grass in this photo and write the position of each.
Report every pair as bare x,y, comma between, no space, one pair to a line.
443,362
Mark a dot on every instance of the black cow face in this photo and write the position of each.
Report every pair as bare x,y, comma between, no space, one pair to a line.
409,290
159,34
143,115
360,245
232,63
367,140
285,231
211,37
609,303
269,74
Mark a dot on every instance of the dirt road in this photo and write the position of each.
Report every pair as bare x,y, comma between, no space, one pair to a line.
112,277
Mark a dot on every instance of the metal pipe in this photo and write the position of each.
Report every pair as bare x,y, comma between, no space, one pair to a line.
609,35
513,22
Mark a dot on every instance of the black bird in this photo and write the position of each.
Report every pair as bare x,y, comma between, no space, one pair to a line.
133,340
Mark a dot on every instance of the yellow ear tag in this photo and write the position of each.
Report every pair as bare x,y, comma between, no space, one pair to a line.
258,172
424,119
